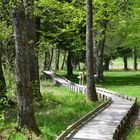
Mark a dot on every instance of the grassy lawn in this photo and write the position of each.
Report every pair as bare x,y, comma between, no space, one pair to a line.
122,82
125,83
118,63
60,108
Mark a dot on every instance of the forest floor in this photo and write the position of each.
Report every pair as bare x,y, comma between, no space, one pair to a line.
59,108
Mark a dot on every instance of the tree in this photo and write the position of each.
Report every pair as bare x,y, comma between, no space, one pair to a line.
57,55
2,79
25,118
101,43
48,58
91,91
3,37
64,59
69,63
32,27
105,12
67,34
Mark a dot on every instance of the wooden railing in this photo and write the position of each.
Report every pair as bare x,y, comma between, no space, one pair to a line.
82,89
72,128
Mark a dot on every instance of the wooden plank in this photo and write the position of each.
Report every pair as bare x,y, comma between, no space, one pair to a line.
108,124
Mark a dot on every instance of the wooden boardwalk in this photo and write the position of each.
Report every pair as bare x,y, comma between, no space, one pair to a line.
106,123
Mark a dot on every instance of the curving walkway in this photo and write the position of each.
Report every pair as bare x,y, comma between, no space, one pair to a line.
105,125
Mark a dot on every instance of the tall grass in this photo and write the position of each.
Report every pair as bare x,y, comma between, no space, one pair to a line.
59,108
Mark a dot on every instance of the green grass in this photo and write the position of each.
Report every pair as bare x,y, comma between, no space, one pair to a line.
118,63
125,83
119,81
122,82
60,108
133,134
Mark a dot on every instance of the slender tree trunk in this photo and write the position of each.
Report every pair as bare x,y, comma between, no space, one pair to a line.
135,63
64,59
57,53
47,60
69,63
2,79
100,62
135,60
26,118
106,65
103,25
33,25
75,61
91,91
125,63
95,51
51,59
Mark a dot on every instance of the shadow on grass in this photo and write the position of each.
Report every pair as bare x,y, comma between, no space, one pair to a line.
122,80
113,78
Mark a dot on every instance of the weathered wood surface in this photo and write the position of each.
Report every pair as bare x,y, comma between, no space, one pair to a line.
108,123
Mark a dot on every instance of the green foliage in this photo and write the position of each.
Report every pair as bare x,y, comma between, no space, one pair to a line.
5,31
62,24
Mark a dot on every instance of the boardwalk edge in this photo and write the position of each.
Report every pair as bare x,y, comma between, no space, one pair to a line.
71,129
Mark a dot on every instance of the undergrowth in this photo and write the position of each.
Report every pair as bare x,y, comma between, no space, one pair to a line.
59,108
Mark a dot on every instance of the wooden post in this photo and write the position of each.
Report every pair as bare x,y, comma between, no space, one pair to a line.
81,78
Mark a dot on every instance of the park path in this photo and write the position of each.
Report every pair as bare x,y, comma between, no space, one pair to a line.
106,123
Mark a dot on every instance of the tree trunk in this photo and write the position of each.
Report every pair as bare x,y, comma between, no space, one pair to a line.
100,60
2,79
95,50
103,25
64,59
26,118
47,60
33,25
125,63
106,65
51,59
91,91
57,53
69,63
135,60
75,61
